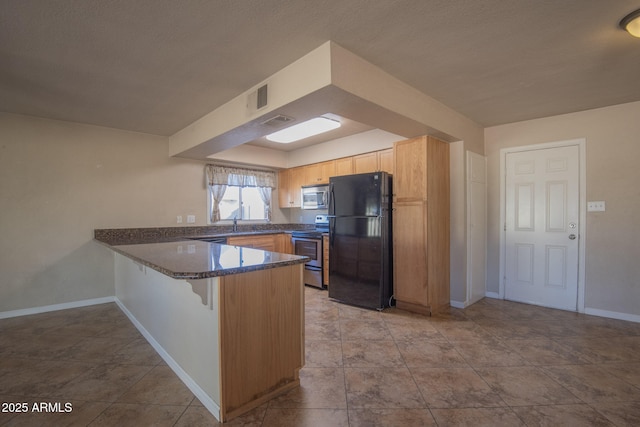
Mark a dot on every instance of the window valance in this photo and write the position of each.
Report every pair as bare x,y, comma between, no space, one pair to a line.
225,175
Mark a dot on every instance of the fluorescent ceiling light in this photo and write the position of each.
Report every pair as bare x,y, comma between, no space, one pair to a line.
304,130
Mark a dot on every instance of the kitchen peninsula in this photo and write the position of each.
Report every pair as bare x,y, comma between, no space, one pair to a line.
229,320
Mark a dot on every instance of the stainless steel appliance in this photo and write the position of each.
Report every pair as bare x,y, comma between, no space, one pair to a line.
360,267
309,243
315,197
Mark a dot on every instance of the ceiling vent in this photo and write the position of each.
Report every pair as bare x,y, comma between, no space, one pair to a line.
258,99
278,120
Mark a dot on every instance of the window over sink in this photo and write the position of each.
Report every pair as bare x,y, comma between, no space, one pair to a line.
237,193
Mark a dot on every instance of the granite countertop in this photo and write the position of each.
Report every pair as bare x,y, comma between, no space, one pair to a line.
130,236
194,259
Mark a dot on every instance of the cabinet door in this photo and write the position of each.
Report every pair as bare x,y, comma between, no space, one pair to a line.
410,171
296,179
410,254
385,160
319,173
365,163
312,174
344,166
284,197
264,242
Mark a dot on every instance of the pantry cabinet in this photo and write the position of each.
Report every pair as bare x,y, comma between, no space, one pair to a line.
421,224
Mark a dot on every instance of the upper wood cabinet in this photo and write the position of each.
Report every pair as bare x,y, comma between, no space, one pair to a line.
365,163
344,166
374,162
410,179
290,182
319,173
385,160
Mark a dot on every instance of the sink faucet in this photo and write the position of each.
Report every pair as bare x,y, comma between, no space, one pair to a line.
235,223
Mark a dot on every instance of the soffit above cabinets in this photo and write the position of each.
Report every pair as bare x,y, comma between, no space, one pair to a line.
342,85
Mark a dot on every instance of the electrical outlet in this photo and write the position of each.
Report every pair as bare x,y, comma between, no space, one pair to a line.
191,219
598,206
179,219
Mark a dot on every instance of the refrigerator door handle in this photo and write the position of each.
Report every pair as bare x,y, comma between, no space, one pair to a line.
331,201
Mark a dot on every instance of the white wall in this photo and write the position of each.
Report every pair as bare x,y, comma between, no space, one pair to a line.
58,182
613,237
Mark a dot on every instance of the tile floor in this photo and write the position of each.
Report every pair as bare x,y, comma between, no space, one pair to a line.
494,363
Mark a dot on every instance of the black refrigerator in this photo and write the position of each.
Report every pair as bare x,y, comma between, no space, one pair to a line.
360,256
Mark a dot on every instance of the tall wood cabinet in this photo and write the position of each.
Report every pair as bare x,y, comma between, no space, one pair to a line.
421,224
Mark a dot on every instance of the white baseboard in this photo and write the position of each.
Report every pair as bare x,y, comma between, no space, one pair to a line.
493,295
175,367
56,307
458,304
612,314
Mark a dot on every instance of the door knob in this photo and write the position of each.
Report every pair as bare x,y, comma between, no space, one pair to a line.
572,237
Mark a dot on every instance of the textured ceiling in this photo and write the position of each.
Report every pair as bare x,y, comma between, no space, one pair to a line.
155,66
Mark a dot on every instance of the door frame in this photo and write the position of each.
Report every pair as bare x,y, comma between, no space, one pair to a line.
582,197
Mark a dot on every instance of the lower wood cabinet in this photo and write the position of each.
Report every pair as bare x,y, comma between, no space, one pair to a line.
280,242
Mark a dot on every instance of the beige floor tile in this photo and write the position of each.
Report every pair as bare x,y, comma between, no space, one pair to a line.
95,356
137,352
629,372
526,386
381,388
283,417
593,383
43,379
322,330
354,329
603,349
371,353
430,354
199,416
462,331
488,352
620,413
321,388
544,351
104,382
413,330
323,353
390,418
454,388
562,415
160,386
476,417
131,414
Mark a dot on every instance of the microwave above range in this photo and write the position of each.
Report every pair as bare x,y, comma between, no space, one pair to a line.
315,197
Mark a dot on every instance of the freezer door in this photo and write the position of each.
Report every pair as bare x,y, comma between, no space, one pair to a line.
357,195
359,261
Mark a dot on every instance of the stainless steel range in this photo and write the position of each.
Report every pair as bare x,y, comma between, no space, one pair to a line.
309,243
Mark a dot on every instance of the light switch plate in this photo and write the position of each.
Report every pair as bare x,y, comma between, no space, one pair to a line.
179,219
598,206
191,219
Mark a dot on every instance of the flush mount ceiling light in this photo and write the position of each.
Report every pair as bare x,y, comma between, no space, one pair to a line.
631,23
304,130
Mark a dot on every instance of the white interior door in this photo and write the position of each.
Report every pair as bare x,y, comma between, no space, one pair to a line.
542,229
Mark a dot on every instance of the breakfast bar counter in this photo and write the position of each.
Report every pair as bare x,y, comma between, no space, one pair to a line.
195,259
228,320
